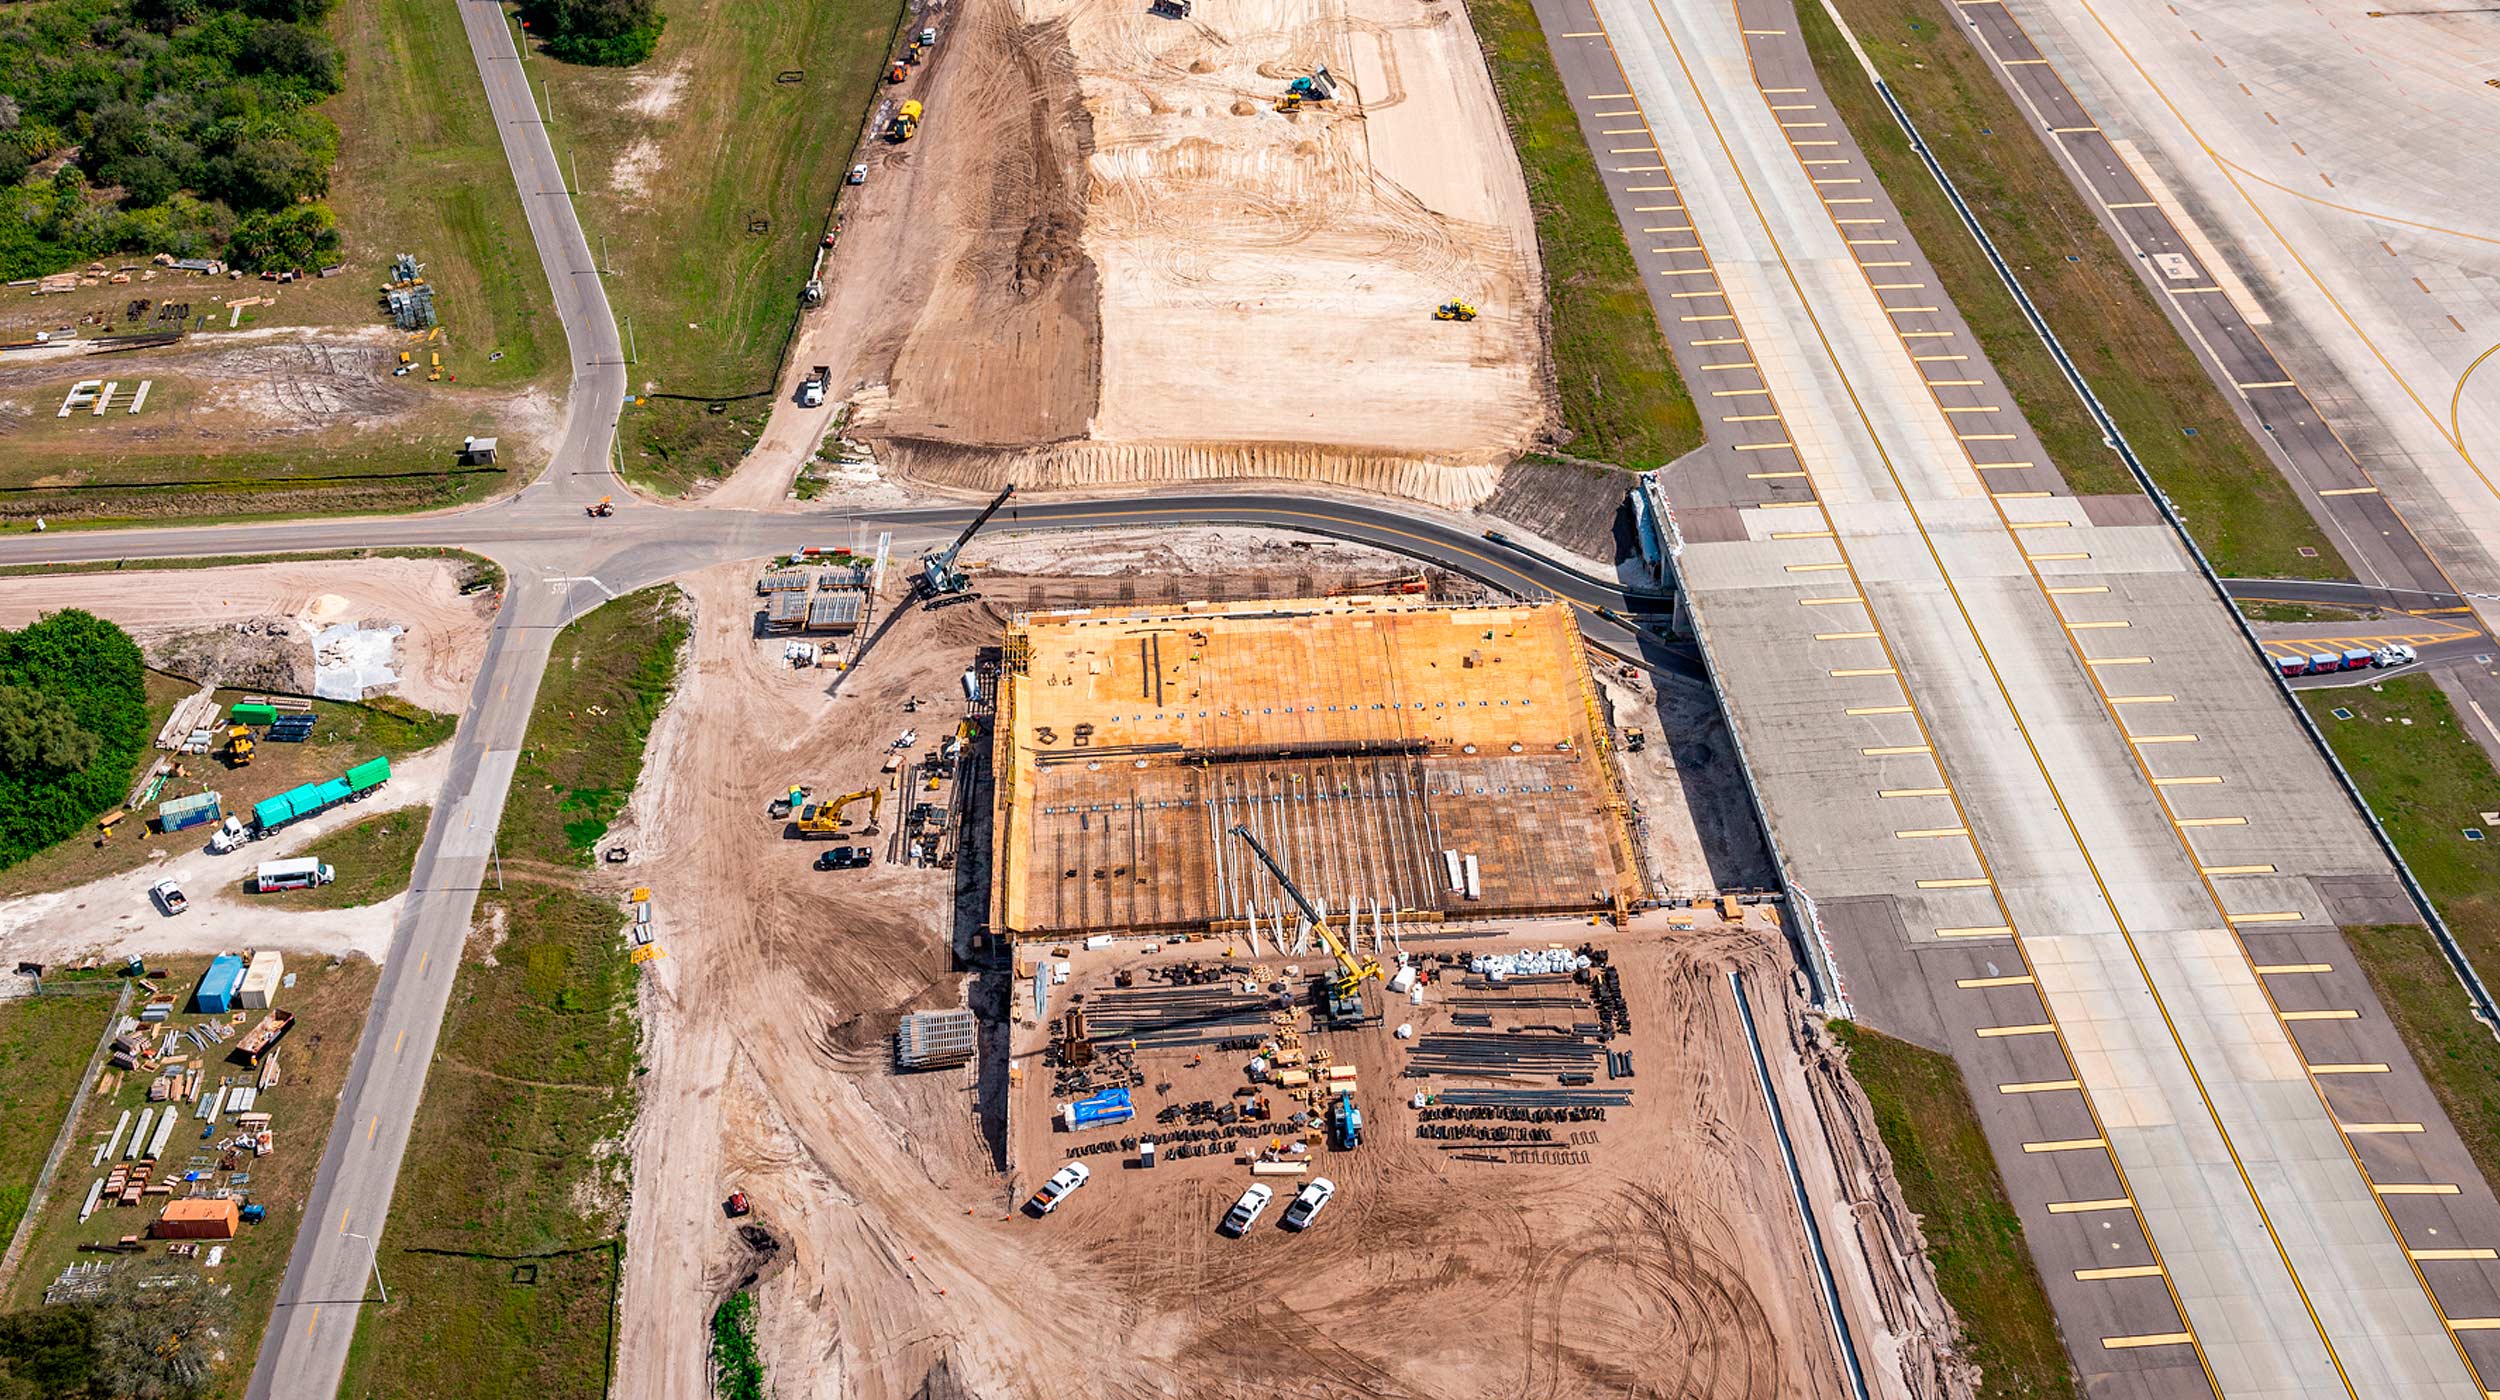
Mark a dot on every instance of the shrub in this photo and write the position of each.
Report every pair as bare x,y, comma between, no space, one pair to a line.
601,33
301,236
76,687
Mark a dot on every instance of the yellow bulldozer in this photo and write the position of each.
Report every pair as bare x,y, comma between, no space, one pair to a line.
827,818
1455,309
239,746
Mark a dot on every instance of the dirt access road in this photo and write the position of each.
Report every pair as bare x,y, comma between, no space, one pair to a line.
902,1268
1107,258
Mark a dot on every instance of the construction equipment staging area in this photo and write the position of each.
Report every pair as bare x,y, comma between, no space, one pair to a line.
1408,762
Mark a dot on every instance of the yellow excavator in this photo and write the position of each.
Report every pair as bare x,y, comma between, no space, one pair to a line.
826,818
1455,309
239,746
1341,992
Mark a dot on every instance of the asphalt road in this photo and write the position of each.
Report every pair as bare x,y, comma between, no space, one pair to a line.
305,1348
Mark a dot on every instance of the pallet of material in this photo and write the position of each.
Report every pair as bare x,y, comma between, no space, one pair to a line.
785,611
193,712
931,1039
277,702
785,581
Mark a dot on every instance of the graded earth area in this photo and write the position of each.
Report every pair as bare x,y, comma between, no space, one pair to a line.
1108,257
289,626
887,1249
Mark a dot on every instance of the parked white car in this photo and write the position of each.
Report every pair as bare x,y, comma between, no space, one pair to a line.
168,897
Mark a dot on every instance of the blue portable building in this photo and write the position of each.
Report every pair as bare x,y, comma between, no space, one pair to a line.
216,994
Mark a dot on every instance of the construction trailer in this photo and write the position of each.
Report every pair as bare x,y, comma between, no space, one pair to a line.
261,979
218,985
199,1218
936,1039
180,812
779,581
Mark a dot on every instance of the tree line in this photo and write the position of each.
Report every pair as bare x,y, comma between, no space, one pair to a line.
191,127
73,725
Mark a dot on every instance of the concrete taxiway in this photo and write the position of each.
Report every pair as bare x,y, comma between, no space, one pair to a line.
2051,813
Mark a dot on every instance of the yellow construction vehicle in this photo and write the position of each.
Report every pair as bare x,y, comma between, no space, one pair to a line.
1290,102
1454,310
239,746
1342,992
826,818
906,123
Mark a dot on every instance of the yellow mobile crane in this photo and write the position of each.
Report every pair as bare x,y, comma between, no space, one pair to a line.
1342,992
825,818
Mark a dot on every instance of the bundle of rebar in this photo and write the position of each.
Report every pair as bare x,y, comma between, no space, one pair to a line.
1466,1053
1174,1017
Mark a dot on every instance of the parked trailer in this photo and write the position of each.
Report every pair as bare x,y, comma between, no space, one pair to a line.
180,812
257,1042
216,994
2359,659
311,799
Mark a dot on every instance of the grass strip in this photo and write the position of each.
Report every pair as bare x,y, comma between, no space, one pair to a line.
2428,782
737,1368
1974,1238
44,1044
606,681
374,859
1622,401
479,571
2239,508
503,1251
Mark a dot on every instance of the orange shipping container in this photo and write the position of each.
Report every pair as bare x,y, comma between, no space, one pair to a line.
198,1219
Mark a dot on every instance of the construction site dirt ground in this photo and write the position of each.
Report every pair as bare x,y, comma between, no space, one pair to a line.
886,1245
437,656
1107,257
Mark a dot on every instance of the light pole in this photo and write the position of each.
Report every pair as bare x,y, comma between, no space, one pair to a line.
377,1262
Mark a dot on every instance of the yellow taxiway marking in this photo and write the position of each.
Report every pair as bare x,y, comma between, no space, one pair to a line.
2282,969
2020,979
1977,931
2437,1255
1914,792
2065,1145
2354,1068
2418,1188
1974,882
2000,1032
2079,1207
2147,1339
2121,1271
2321,1015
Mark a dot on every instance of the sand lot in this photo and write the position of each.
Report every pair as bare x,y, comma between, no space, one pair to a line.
437,655
1668,1263
1108,258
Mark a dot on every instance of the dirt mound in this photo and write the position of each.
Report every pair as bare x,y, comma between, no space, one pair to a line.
258,653
1005,350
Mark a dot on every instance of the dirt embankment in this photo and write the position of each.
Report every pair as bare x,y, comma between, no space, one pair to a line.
1006,351
1108,259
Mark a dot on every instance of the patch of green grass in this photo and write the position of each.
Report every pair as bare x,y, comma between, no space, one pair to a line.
606,681
1622,401
737,1370
2239,508
504,1246
2427,781
44,1045
421,170
712,304
374,859
2262,611
1974,1238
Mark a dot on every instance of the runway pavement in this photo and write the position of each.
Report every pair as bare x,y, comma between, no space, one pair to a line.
2050,812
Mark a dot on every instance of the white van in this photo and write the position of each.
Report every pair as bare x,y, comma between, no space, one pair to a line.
299,874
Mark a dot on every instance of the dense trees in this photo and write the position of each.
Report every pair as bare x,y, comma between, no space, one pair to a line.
73,723
174,121
610,33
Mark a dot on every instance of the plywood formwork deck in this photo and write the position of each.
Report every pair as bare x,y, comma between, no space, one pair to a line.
1359,738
